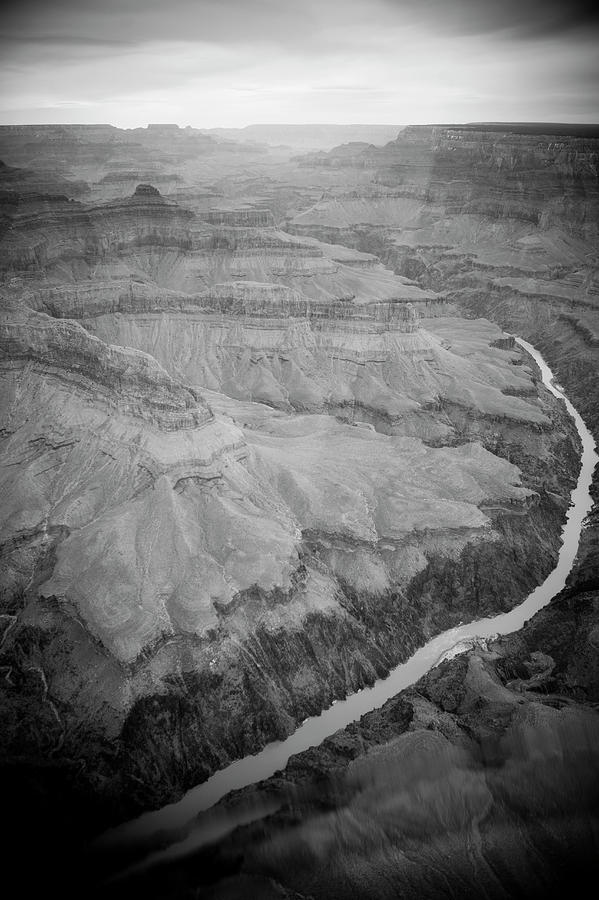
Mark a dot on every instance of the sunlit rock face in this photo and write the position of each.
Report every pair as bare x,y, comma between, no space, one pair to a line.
246,472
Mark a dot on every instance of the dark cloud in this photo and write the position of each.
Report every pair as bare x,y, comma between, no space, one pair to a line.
141,21
285,21
517,18
401,60
64,40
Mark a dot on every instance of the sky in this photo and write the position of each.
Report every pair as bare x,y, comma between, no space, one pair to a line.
230,63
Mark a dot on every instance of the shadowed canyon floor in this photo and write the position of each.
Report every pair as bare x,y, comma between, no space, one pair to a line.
263,435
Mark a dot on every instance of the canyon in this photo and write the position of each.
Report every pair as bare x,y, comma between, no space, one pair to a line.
266,431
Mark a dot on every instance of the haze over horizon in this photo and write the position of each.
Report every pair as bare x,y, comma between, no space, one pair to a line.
230,63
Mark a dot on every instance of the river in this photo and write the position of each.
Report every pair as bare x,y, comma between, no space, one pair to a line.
180,826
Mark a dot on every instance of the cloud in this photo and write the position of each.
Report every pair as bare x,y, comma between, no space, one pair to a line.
140,21
213,62
513,18
287,22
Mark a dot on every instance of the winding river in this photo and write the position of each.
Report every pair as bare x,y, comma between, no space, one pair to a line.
180,825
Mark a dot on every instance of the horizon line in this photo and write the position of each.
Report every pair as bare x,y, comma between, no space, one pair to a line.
437,124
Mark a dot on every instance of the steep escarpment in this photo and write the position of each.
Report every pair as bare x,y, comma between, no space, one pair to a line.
575,360
540,178
52,231
78,145
128,380
320,271
16,183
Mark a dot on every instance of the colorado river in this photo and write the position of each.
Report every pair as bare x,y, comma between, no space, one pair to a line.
172,824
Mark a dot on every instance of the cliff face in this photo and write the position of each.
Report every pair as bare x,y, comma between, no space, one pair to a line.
17,183
53,232
542,178
128,380
231,500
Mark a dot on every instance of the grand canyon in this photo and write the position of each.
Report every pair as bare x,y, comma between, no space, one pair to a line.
266,430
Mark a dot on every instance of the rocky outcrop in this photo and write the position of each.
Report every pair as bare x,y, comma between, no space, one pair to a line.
255,218
356,153
125,178
322,272
543,179
58,147
58,232
128,380
17,184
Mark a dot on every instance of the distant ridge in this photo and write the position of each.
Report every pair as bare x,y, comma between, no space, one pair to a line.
308,136
571,129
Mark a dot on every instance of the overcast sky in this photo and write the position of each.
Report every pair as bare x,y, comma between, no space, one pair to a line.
233,62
